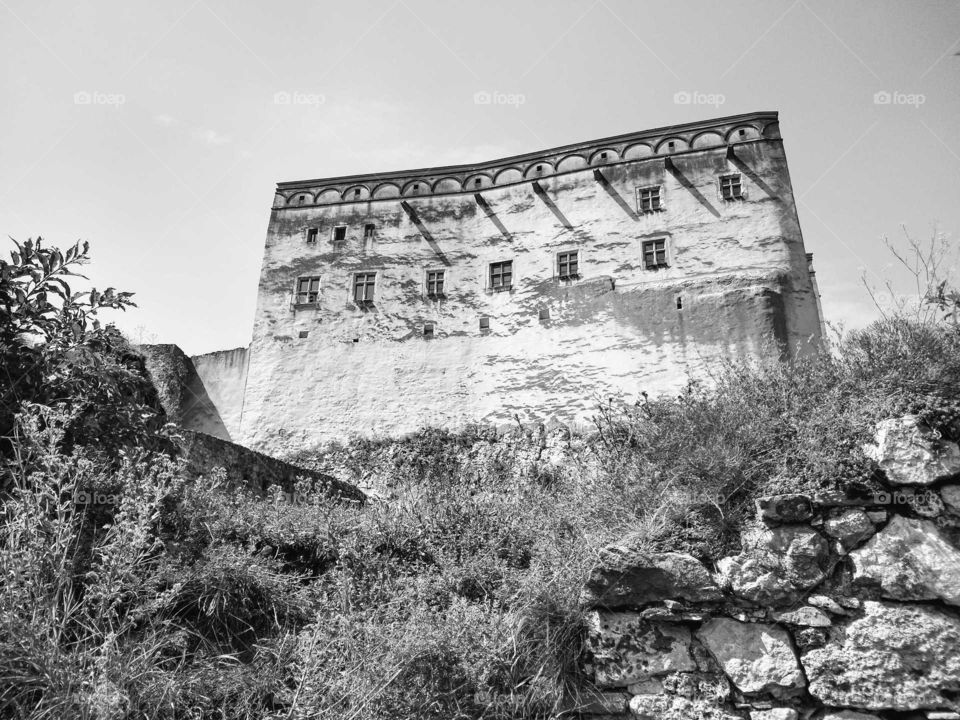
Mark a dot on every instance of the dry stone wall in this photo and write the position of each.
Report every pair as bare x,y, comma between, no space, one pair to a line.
838,607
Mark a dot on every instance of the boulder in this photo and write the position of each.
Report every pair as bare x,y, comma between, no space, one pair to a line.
849,528
950,494
909,453
895,657
757,657
629,576
627,649
602,703
849,715
910,559
780,565
809,638
785,508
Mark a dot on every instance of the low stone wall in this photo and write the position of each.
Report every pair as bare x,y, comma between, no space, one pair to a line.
838,607
224,377
248,468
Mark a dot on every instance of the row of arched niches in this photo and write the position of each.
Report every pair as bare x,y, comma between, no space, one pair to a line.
478,177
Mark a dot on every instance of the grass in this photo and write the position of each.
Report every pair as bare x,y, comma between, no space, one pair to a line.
458,598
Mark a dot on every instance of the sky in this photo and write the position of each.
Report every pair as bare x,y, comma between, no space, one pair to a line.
157,131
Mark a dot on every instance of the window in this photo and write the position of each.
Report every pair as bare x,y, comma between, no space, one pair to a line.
539,168
369,230
312,235
568,265
501,275
304,333
301,199
654,254
308,290
649,199
428,330
730,187
435,283
544,314
603,156
484,323
671,146
340,234
679,302
363,285
477,182
356,192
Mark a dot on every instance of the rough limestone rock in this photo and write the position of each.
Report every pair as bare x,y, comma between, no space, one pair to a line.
775,714
628,576
757,657
911,560
668,707
850,528
785,508
627,649
911,454
806,616
809,638
849,715
779,566
950,494
897,657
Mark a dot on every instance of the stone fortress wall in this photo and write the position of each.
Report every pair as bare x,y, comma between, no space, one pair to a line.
734,275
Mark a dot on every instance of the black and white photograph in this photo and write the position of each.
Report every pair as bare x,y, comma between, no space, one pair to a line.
514,360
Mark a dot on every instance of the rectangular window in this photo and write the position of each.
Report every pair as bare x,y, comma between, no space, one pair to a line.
730,187
363,285
501,275
568,265
340,234
308,290
312,235
654,254
369,230
428,329
649,199
435,283
484,323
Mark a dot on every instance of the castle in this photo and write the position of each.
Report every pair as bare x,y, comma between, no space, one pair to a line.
522,289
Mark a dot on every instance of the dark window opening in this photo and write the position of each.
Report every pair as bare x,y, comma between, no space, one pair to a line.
369,230
679,303
428,329
730,187
302,199
435,280
568,265
356,192
356,340
312,234
304,333
544,314
308,290
416,188
650,200
363,286
484,323
742,133
501,275
539,168
340,234
671,145
654,254
477,182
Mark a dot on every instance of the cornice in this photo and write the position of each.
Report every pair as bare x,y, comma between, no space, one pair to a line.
474,177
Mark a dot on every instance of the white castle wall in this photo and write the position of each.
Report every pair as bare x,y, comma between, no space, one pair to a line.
738,268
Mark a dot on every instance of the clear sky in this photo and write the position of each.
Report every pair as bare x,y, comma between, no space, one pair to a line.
151,128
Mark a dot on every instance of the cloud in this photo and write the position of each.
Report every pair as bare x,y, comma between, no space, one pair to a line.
211,137
165,120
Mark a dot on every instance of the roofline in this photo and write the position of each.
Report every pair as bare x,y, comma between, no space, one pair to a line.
767,115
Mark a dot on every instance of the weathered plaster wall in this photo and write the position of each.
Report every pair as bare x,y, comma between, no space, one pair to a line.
224,376
738,269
